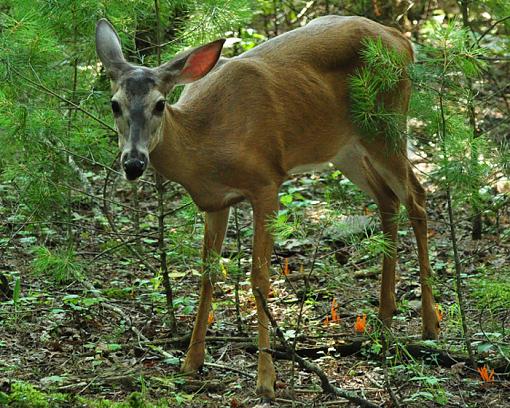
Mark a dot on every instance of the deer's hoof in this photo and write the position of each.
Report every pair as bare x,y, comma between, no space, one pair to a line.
264,403
430,334
386,319
191,368
266,394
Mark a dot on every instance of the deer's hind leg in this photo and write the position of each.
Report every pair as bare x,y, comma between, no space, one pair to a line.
399,175
355,164
418,216
388,204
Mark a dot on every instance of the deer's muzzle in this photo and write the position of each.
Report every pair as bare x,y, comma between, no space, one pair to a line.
134,165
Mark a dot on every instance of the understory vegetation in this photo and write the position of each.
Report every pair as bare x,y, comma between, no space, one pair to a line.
99,277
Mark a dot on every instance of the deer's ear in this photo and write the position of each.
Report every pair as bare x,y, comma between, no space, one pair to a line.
191,65
109,50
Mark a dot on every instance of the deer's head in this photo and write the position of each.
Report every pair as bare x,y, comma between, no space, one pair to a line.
139,93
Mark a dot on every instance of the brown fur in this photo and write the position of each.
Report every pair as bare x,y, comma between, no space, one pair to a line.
238,133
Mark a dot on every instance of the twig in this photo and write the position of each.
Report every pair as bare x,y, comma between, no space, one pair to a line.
229,368
106,305
111,222
182,207
326,386
488,30
489,340
162,254
476,215
301,306
387,384
239,320
115,247
96,163
135,217
303,11
160,187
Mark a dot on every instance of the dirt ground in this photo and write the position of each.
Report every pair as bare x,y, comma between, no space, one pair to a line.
106,335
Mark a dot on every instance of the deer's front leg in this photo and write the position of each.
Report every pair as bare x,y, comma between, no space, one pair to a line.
215,228
264,208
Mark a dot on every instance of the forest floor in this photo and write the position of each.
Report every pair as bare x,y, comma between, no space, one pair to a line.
105,334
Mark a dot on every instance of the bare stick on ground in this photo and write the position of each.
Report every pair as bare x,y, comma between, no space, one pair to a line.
162,255
291,355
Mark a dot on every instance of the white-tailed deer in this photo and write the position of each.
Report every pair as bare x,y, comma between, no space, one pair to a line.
244,124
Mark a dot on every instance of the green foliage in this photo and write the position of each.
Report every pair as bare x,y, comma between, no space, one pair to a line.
493,293
59,265
80,302
456,166
450,46
45,46
210,19
429,388
383,69
339,190
388,65
377,244
48,49
447,61
24,395
16,293
286,224
498,8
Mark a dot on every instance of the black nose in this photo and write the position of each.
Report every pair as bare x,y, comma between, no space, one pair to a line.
134,168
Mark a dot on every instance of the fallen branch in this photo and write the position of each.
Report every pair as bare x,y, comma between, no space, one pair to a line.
326,386
442,358
228,368
290,354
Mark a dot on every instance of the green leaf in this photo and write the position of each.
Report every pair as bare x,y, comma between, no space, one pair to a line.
17,290
484,347
114,347
286,199
173,361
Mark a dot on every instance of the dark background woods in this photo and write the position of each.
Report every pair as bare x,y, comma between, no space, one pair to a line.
87,261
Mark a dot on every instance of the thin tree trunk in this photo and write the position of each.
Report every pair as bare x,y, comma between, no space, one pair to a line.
476,217
453,236
160,187
70,117
239,320
162,255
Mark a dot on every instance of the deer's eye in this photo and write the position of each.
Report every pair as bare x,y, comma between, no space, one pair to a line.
160,106
116,108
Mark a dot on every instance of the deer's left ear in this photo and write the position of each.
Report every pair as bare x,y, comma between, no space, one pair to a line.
191,65
109,49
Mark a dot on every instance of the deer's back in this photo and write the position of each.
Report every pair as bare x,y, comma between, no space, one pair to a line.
330,42
285,103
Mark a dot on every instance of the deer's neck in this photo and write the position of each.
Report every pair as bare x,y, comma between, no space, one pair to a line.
170,157
183,156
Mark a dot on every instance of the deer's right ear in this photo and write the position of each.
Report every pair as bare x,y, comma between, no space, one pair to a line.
109,50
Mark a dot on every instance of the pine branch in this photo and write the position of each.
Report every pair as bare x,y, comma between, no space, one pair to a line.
42,87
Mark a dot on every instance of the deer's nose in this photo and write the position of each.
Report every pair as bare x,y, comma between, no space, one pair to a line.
134,168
